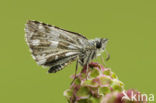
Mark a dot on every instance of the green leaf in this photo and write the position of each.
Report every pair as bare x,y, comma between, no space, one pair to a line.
82,101
105,80
104,90
83,92
114,76
117,87
94,100
68,93
107,72
77,81
94,73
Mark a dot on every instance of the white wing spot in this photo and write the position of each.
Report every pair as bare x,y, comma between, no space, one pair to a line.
72,47
35,42
40,62
54,44
33,57
70,53
56,57
54,32
40,26
39,57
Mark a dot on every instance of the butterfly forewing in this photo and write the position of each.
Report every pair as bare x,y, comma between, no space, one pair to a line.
52,46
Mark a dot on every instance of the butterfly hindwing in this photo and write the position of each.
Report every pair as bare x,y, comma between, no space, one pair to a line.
59,65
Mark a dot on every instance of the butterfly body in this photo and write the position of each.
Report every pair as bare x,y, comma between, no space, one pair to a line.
55,47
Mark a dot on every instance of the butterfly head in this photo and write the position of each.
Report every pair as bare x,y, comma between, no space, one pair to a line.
101,44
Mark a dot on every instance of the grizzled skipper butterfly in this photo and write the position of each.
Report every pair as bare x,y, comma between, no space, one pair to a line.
55,47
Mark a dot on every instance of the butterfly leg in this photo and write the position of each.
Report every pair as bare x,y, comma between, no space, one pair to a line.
87,70
102,60
87,64
77,63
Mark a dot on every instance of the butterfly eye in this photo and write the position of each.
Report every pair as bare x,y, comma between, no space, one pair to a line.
98,45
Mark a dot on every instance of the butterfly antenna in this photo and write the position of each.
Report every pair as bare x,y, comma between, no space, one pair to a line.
107,54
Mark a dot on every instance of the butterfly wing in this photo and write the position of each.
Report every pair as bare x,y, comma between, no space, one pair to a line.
53,46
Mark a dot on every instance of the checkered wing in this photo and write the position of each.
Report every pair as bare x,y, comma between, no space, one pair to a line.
52,46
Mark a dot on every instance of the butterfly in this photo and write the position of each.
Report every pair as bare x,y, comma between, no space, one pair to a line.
55,48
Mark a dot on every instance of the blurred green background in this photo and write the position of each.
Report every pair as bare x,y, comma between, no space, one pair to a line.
130,26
